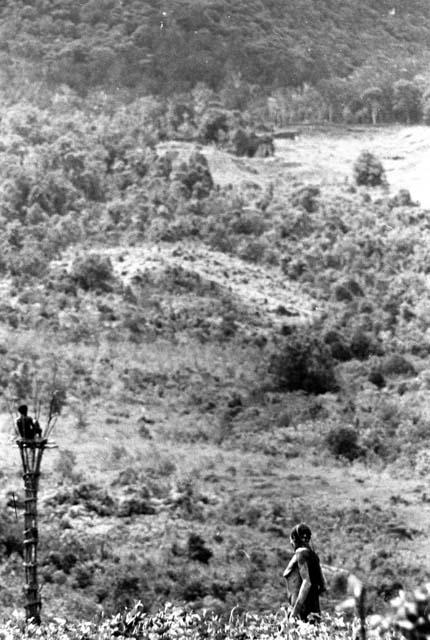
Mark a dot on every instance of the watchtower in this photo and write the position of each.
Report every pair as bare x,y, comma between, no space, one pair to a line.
31,451
31,456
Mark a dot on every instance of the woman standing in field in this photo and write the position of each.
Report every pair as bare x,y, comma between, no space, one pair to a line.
305,581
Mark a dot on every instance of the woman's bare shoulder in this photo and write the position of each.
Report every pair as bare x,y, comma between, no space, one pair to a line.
302,554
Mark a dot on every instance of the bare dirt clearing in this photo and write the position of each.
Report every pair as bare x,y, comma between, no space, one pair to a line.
328,156
263,290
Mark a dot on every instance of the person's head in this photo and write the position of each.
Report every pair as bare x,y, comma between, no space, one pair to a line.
300,536
23,409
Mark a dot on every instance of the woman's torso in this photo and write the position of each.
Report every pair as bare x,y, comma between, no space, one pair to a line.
294,581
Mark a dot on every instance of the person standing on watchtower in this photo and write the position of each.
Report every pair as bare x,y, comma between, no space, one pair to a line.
28,428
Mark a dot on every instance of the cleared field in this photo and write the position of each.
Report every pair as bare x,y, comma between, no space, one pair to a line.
328,156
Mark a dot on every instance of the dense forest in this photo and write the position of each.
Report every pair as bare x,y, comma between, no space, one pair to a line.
353,53
170,46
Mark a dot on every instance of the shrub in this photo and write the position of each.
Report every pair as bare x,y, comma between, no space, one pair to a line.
83,576
194,590
363,345
192,178
245,143
252,250
178,111
213,122
30,262
347,290
248,223
422,462
198,179
220,239
401,199
66,465
305,363
87,495
10,533
396,364
426,110
125,586
197,549
376,377
241,143
342,442
306,197
93,272
368,170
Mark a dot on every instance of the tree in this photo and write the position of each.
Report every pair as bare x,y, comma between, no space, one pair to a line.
368,170
407,100
426,107
372,100
336,93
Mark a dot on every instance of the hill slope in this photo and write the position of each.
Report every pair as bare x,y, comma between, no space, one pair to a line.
170,46
234,358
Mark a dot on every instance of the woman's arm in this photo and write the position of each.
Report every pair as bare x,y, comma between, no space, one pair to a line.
290,567
304,587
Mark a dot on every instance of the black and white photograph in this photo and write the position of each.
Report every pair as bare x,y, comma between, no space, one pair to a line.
215,319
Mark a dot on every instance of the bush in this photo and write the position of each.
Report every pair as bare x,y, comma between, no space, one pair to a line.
197,549
396,364
363,345
198,179
347,290
305,363
368,170
214,124
249,223
252,250
339,347
93,272
245,143
66,466
401,199
376,377
306,197
342,442
10,532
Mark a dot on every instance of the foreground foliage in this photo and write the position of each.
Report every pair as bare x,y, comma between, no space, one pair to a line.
178,623
409,617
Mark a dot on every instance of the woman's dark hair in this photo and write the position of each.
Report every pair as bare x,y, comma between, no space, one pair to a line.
301,535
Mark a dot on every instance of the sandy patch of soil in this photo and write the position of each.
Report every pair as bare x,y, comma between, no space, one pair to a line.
262,291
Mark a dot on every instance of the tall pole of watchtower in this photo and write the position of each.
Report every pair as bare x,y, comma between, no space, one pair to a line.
31,456
32,441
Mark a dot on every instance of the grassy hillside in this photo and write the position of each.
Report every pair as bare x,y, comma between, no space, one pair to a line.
239,349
